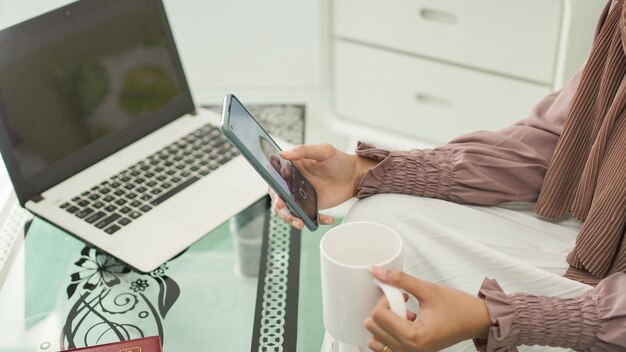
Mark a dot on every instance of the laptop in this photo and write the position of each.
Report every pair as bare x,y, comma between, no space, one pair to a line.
101,137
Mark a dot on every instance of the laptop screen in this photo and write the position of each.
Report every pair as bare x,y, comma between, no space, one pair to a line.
84,81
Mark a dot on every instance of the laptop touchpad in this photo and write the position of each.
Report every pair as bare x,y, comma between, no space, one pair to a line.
205,205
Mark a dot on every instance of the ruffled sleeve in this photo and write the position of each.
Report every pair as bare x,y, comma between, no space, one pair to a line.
594,321
425,173
479,168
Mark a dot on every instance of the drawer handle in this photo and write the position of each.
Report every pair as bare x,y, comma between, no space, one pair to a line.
431,100
439,16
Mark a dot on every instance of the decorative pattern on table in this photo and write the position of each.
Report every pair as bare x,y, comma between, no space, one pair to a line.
115,303
275,287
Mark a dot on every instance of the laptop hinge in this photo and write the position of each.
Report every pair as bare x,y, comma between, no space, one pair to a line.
38,198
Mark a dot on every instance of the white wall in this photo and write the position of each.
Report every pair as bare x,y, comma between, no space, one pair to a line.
247,44
271,51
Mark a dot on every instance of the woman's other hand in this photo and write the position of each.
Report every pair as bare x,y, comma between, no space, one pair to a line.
334,174
447,316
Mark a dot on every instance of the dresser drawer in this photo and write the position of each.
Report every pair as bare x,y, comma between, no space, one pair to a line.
422,98
512,37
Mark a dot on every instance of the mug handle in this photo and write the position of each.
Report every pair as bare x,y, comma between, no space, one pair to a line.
395,298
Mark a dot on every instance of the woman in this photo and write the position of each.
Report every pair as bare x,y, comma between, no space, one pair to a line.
569,157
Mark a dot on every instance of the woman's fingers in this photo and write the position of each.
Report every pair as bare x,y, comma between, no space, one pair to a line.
283,212
375,345
410,315
381,334
388,322
326,219
273,195
422,290
317,152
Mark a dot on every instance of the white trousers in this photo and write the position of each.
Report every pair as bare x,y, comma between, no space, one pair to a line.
459,245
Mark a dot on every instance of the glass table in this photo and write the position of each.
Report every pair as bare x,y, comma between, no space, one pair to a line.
251,284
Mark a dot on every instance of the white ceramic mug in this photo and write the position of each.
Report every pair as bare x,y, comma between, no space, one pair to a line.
349,291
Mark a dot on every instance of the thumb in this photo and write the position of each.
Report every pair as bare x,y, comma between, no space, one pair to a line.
418,288
317,152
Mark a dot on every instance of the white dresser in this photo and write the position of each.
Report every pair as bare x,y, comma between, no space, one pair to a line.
430,70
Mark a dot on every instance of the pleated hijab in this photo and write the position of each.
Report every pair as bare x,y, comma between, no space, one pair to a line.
587,174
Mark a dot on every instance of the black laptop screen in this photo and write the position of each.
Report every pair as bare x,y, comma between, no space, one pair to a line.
83,83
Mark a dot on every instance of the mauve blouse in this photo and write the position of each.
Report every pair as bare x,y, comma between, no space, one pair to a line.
494,167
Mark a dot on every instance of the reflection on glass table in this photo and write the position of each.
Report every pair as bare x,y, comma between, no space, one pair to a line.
62,294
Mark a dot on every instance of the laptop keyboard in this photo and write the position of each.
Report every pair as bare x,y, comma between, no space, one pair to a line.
128,195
